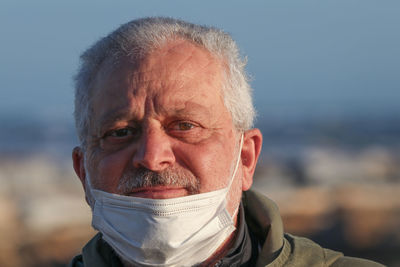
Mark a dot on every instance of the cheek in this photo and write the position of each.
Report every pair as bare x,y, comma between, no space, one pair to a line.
212,164
110,169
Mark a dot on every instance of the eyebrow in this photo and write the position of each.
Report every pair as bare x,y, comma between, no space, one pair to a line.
117,114
190,109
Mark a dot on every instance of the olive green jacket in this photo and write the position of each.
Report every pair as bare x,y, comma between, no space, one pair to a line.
262,217
279,249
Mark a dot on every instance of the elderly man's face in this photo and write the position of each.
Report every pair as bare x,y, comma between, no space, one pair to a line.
166,116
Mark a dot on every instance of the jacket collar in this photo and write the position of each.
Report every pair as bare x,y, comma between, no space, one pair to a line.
262,216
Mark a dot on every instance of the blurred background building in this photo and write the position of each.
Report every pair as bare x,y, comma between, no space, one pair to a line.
326,86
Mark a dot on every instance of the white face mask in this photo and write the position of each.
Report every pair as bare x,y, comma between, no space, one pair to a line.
182,231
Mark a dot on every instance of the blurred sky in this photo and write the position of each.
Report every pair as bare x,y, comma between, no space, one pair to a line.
307,58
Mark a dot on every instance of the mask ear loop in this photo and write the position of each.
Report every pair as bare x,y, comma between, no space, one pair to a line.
237,162
234,173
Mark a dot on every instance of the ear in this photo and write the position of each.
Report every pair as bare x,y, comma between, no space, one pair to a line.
252,143
79,165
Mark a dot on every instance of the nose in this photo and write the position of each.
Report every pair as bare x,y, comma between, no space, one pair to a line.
154,150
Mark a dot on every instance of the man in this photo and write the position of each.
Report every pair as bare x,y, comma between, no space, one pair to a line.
164,116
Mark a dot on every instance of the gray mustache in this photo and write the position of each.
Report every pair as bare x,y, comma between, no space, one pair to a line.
142,177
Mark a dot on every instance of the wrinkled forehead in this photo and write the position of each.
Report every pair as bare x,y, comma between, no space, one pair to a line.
182,58
173,76
175,61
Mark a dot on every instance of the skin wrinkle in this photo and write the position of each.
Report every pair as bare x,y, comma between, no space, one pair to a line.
112,118
183,66
142,78
105,69
120,114
174,49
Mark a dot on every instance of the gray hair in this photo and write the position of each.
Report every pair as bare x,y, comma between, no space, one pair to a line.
139,37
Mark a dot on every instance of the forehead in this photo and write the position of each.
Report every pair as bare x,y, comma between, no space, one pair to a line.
179,71
181,59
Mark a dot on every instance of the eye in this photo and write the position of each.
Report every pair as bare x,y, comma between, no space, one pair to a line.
186,130
123,133
185,126
182,126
